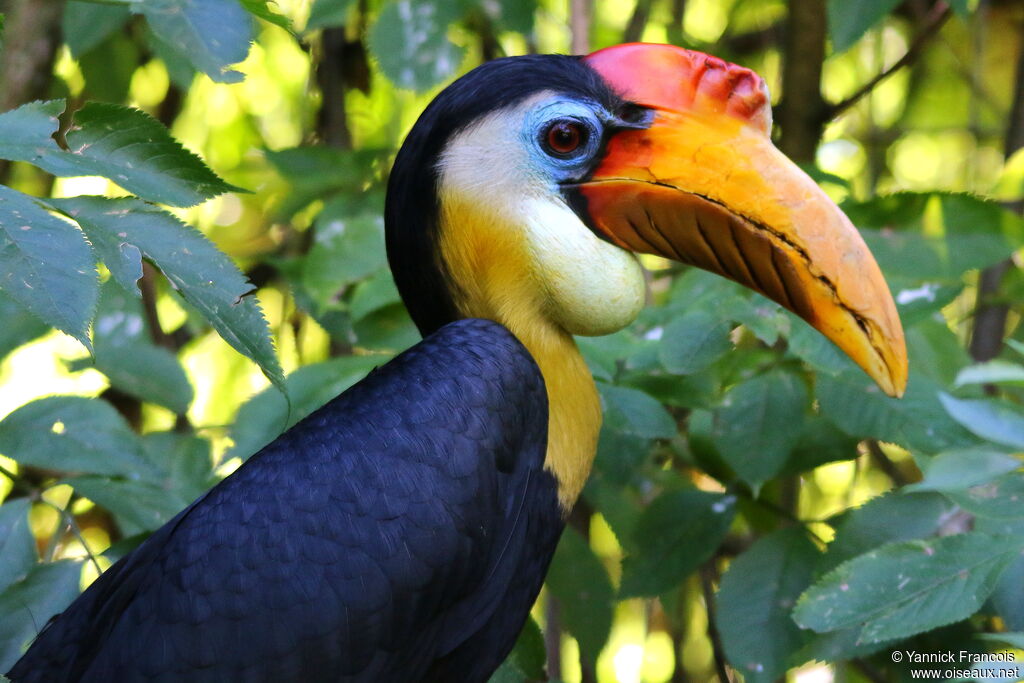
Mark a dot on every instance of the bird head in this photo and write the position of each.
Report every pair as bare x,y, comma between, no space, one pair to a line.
527,187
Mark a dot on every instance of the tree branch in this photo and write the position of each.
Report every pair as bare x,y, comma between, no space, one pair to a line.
637,21
553,637
933,21
990,313
581,13
800,113
332,123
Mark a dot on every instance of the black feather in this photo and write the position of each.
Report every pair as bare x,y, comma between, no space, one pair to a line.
377,540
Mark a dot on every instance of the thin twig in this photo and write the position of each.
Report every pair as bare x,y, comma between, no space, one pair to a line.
12,476
67,517
879,457
69,520
707,578
935,19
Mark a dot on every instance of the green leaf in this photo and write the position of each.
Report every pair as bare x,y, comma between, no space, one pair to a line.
345,249
73,434
581,584
617,504
211,34
962,469
988,418
328,14
202,274
964,8
915,304
184,461
885,519
20,326
917,421
125,145
935,351
388,330
128,357
512,15
815,349
674,535
179,68
631,411
1015,640
28,604
1008,598
263,10
759,423
137,506
841,645
87,24
978,232
694,341
766,319
46,265
604,354
998,499
619,455
820,442
755,599
848,21
149,373
108,69
905,588
680,391
410,42
970,233
992,372
373,294
17,545
266,415
319,172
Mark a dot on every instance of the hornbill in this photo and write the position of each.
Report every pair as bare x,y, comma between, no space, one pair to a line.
402,532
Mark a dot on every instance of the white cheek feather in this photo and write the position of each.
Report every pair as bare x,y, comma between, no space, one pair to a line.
590,287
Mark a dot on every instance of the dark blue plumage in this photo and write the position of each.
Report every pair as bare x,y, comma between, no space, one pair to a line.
399,533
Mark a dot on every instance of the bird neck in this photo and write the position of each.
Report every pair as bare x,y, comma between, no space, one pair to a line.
491,272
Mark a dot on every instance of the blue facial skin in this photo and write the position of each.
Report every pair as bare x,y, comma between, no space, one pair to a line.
596,123
571,167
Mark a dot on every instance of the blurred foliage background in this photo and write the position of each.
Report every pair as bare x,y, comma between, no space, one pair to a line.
758,509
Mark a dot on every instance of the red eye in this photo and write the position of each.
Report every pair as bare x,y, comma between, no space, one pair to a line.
565,137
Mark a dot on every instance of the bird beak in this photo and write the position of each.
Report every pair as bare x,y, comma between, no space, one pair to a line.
700,182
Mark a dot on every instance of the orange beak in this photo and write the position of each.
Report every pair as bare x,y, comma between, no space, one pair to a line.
703,184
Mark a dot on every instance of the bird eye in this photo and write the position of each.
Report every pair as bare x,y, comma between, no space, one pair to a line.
564,137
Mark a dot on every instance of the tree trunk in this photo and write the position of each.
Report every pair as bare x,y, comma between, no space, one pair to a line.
800,115
990,315
31,37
